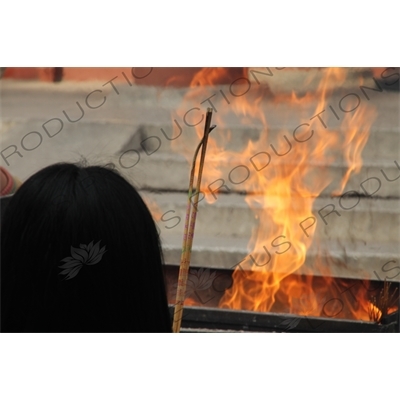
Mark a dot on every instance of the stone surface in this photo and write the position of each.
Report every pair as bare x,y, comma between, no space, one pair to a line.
337,258
373,220
355,244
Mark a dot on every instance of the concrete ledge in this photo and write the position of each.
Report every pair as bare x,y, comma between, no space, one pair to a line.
356,260
369,220
145,173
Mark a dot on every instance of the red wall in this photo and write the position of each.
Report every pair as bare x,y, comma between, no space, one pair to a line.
178,77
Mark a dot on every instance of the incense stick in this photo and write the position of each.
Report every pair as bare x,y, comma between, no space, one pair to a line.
379,307
190,223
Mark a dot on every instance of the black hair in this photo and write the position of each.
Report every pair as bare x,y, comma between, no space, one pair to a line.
80,252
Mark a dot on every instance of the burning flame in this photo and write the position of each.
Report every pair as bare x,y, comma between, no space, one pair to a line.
374,312
289,171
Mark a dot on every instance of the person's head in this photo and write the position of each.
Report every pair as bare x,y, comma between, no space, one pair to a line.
80,252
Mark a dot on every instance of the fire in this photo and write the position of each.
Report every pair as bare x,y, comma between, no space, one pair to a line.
290,170
374,312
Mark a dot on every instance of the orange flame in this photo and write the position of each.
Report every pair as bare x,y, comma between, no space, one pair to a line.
295,175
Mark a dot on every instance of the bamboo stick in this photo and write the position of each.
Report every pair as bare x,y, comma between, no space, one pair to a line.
190,223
